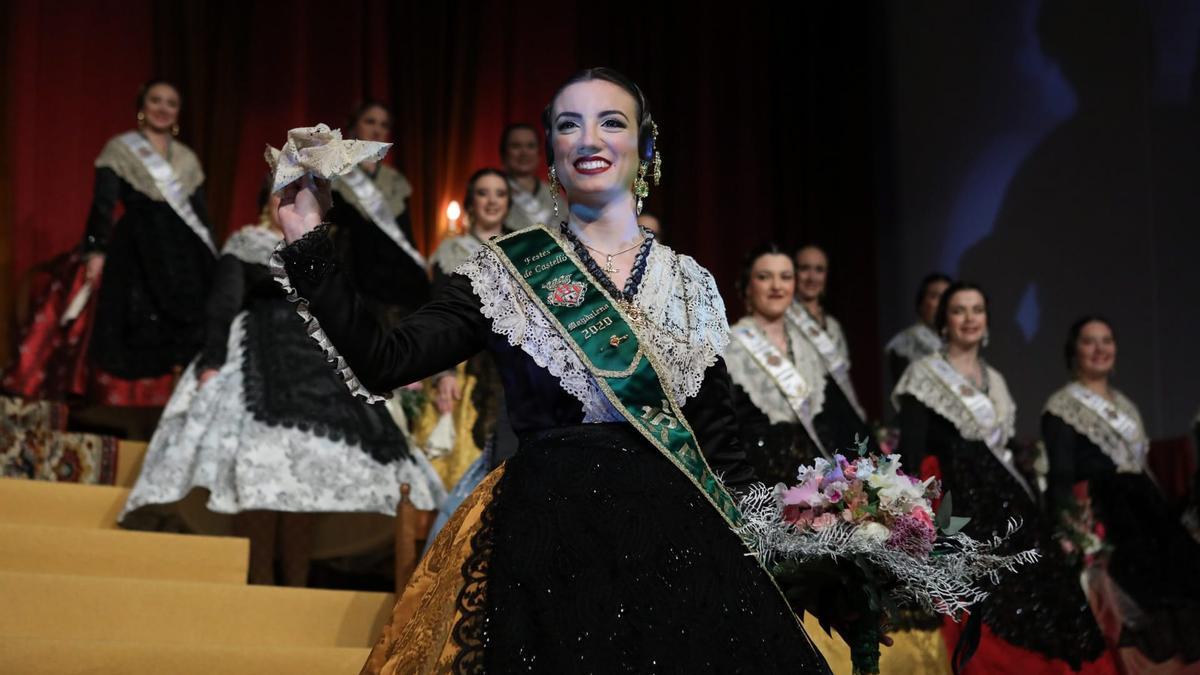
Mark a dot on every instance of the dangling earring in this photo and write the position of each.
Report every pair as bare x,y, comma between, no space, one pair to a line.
987,337
641,189
141,118
174,129
554,189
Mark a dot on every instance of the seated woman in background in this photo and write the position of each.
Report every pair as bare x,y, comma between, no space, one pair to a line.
779,383
920,339
1097,448
956,409
842,419
263,423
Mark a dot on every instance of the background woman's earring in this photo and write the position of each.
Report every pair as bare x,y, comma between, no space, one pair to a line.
141,118
987,337
641,189
174,129
554,189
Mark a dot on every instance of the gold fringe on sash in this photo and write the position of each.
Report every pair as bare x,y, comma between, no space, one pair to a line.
418,639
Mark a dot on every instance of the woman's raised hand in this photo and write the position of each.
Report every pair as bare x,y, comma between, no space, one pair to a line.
301,206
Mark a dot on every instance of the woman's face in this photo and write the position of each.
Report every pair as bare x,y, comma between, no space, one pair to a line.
594,138
373,125
966,319
521,152
772,284
160,106
811,269
489,202
930,300
1095,350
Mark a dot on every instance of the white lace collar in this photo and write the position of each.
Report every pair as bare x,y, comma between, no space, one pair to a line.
454,251
392,184
1119,434
921,381
252,244
764,393
677,296
915,342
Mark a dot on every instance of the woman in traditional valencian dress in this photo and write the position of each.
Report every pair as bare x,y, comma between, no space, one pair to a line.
532,203
263,423
956,411
157,260
842,418
920,339
779,382
605,543
374,227
1097,449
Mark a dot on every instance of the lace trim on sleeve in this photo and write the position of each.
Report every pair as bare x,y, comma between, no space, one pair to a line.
518,319
313,327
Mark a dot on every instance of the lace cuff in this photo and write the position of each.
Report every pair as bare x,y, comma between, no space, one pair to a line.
311,258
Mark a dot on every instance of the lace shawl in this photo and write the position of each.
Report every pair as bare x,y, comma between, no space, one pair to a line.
252,244
395,188
764,393
678,297
920,382
915,342
120,159
1129,457
454,251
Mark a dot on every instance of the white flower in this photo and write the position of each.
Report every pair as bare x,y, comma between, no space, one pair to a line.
873,533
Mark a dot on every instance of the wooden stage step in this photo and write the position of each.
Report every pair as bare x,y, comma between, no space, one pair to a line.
73,608
129,462
35,502
42,656
44,549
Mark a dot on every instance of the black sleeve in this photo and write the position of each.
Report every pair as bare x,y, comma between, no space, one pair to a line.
914,433
1059,438
441,334
897,365
107,190
710,412
225,300
200,206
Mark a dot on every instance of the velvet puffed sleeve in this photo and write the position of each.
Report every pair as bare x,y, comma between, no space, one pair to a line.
1059,438
107,189
441,334
711,415
225,299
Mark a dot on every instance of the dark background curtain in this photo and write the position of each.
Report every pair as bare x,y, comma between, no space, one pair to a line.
770,116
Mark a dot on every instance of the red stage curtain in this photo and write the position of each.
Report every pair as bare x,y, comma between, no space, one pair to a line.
770,115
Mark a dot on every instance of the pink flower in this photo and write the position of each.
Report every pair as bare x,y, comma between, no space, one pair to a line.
910,535
922,515
799,516
833,492
824,521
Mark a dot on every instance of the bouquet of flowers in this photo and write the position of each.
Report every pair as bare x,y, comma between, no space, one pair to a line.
1081,536
868,513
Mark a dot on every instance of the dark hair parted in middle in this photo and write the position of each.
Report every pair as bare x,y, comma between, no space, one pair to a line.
644,121
939,319
765,248
140,102
929,280
1070,348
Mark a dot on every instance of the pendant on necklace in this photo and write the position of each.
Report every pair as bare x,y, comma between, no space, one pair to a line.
609,268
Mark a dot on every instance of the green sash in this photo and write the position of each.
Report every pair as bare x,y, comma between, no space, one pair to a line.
605,337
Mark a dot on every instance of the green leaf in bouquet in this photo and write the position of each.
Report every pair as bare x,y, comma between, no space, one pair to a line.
944,513
957,523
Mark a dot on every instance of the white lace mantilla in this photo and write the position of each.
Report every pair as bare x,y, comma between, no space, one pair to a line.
915,342
679,299
454,251
1128,453
922,383
762,389
391,183
252,244
117,156
314,330
207,438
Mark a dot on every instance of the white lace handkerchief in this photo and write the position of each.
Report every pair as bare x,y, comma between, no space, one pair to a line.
320,151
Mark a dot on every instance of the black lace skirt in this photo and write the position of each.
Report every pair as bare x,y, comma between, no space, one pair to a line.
601,557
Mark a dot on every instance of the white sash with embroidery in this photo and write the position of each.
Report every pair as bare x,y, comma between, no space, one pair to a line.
982,410
831,356
168,184
1133,455
372,201
784,374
